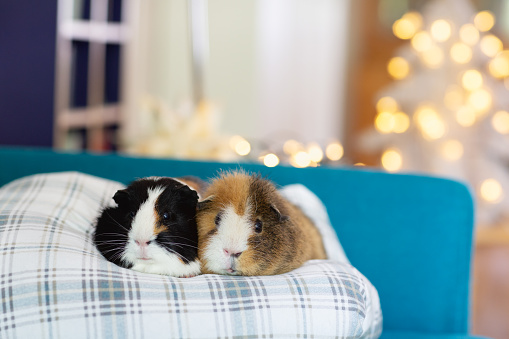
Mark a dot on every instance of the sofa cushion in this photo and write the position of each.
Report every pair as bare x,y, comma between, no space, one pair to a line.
55,283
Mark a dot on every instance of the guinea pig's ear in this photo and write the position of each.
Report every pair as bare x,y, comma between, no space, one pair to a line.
205,202
282,218
121,197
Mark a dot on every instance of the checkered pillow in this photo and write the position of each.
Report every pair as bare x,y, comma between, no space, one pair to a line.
55,284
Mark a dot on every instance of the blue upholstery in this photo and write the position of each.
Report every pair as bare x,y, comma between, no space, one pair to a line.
411,236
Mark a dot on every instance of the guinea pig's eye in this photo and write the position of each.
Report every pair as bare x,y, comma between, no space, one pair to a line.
131,215
217,220
258,226
168,216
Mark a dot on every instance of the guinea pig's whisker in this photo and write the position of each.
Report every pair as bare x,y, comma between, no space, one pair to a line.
116,222
177,244
115,234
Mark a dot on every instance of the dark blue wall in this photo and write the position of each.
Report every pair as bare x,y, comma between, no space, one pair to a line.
27,71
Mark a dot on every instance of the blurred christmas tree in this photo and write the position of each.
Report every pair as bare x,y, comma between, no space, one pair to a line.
446,112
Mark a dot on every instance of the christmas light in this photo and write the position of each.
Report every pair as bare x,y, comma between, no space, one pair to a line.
403,29
300,159
499,66
334,151
472,80
491,191
270,160
401,122
441,30
469,34
430,123
484,21
453,98
385,122
392,160
421,41
452,150
360,164
500,122
480,100
491,45
433,57
465,116
387,104
234,140
315,152
398,67
461,53
291,147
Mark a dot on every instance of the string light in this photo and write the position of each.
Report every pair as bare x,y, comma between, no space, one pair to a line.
300,159
480,100
392,160
315,152
421,41
441,30
452,150
453,98
430,123
461,53
407,26
359,164
500,122
469,34
491,191
243,148
271,160
385,122
401,122
387,104
491,45
484,21
291,147
398,67
465,116
334,151
499,66
472,80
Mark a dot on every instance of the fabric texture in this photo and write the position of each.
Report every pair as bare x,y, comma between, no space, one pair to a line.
54,282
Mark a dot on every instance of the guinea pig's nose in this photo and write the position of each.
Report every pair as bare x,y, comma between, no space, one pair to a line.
230,253
142,243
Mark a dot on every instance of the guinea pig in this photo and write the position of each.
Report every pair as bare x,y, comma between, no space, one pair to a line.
245,227
153,227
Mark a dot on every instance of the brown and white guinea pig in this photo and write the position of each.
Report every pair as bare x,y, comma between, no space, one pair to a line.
153,227
245,227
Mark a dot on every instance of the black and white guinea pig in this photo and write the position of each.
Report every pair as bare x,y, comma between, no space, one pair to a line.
245,227
153,227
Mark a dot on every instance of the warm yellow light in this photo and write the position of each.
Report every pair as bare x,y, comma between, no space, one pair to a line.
491,191
461,53
500,122
491,45
433,57
300,159
234,140
465,116
469,34
472,79
387,104
480,100
484,21
398,67
415,18
315,152
385,122
359,164
270,160
334,151
243,147
392,160
430,123
404,28
291,147
453,97
506,83
441,30
452,150
422,41
499,66
401,122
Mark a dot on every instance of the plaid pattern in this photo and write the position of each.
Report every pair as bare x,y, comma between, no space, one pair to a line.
55,284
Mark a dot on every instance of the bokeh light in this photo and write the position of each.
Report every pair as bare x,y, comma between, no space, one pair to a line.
334,151
484,21
300,159
271,160
398,67
385,122
500,122
453,98
243,148
465,116
422,41
433,57
291,147
469,34
441,30
452,150
431,124
491,191
386,104
499,66
491,45
480,100
315,152
472,80
461,53
392,160
401,122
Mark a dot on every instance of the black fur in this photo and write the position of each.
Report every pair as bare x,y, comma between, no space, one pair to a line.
177,200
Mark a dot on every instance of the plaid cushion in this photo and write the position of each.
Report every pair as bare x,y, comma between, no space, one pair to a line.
55,284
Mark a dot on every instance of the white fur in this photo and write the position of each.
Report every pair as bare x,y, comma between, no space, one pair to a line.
160,260
232,234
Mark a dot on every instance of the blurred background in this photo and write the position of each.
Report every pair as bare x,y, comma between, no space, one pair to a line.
419,86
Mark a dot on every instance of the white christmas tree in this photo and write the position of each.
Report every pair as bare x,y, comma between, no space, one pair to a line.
446,112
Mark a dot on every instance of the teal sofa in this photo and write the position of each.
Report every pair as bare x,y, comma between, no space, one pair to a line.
411,236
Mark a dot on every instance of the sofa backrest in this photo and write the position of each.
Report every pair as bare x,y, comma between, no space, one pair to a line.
411,236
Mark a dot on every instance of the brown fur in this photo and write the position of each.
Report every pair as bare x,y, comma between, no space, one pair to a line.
283,245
